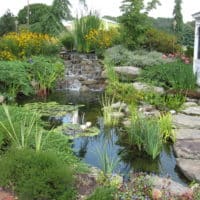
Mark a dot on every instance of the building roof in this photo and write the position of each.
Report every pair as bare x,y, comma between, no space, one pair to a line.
196,15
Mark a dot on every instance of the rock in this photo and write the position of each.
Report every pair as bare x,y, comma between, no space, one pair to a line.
84,89
117,114
189,104
119,105
144,87
126,122
194,110
169,186
186,134
186,121
189,149
89,82
2,98
149,110
104,74
128,71
190,168
173,112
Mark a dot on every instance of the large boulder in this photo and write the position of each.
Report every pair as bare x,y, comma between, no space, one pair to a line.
193,110
190,168
128,71
187,134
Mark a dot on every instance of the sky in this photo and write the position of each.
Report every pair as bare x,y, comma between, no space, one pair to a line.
110,7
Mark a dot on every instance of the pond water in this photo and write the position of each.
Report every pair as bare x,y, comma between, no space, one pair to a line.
108,140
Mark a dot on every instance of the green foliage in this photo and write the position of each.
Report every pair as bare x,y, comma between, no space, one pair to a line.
166,101
108,110
41,175
161,41
43,18
68,40
82,27
118,55
60,8
134,11
162,24
176,75
7,23
166,127
188,35
103,193
45,71
14,78
108,164
145,134
124,92
178,18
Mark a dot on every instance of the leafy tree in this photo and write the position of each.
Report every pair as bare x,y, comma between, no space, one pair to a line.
178,18
7,23
135,21
37,11
60,8
188,34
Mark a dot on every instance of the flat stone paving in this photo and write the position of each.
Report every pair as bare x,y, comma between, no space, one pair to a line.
187,145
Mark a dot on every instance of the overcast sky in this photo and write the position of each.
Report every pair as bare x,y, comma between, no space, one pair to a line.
110,7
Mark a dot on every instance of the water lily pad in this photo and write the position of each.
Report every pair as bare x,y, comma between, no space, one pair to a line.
75,130
51,109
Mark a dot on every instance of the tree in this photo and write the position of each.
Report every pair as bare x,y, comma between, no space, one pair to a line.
7,23
61,9
135,21
178,18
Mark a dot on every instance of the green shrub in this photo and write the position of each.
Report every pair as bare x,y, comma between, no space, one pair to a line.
45,71
157,40
103,193
165,101
14,78
176,75
68,41
32,175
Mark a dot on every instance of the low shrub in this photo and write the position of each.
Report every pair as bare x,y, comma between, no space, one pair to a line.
157,40
175,75
68,41
119,55
41,175
14,78
103,193
165,102
45,71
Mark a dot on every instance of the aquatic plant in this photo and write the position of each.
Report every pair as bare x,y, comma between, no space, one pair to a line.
166,127
145,134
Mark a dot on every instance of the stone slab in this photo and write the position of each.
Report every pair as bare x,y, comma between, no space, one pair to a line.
193,110
188,149
190,168
187,134
129,71
186,121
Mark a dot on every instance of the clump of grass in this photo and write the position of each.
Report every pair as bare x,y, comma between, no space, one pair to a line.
108,110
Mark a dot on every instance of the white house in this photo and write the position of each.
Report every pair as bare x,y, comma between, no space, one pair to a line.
196,62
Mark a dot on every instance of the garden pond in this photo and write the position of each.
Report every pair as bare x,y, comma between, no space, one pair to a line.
108,140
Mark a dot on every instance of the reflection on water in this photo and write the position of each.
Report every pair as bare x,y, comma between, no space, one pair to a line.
86,147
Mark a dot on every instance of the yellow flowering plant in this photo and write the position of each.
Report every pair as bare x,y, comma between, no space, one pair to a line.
25,44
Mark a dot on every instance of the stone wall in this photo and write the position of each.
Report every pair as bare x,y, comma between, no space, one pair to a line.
83,72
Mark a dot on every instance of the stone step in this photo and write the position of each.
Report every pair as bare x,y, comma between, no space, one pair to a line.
193,110
188,149
190,168
186,121
187,134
